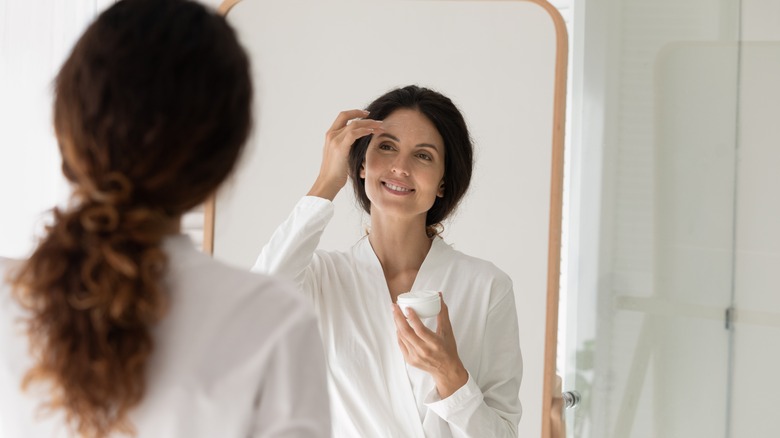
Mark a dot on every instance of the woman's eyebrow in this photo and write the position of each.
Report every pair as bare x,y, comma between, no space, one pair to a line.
428,145
391,137
421,145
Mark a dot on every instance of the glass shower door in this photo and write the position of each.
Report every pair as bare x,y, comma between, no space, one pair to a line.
648,331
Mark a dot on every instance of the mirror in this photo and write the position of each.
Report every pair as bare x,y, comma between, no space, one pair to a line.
502,63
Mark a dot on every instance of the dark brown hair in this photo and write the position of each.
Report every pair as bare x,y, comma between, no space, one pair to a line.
151,111
458,148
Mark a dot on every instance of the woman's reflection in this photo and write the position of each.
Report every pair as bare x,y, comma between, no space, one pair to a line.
410,159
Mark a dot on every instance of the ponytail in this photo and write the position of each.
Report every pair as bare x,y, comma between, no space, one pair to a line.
93,288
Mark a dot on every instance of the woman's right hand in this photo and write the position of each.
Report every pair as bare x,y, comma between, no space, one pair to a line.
334,170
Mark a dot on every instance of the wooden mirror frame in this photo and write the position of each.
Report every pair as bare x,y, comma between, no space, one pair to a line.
555,218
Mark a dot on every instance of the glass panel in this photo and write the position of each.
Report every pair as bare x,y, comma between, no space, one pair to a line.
695,173
757,277
649,351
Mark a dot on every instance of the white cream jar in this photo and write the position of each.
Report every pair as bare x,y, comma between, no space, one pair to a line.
425,303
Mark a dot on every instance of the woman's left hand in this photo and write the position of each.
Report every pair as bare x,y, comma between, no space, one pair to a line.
433,352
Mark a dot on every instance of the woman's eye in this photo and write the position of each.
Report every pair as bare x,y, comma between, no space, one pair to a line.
425,157
385,146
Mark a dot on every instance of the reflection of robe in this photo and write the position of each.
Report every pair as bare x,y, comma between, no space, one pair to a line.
374,393
236,355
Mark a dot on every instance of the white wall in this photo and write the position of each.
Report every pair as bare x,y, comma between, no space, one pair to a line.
35,38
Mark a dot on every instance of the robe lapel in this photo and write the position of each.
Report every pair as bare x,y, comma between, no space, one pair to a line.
429,278
398,381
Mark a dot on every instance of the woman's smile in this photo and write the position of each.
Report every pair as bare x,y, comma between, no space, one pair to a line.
397,188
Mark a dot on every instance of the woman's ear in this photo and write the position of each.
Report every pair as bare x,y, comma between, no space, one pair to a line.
440,192
363,170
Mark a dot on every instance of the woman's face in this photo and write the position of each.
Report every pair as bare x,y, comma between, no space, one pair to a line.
404,165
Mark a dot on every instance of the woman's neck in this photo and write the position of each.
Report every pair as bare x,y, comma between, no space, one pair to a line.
400,245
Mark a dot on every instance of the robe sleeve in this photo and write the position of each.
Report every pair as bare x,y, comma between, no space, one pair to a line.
488,404
290,252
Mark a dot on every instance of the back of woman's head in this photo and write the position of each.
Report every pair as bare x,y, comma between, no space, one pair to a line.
152,109
458,148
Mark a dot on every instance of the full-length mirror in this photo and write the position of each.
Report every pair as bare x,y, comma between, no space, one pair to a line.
503,65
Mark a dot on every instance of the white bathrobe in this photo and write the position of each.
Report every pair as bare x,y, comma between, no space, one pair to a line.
374,393
237,355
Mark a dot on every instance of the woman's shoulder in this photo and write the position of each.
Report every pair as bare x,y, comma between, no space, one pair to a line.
471,265
248,288
196,275
358,253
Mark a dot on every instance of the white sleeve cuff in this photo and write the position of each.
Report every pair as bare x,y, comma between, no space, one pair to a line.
462,403
314,203
312,213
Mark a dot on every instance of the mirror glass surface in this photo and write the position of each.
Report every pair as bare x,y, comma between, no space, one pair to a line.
496,60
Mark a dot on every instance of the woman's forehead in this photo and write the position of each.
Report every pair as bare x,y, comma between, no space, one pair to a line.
411,125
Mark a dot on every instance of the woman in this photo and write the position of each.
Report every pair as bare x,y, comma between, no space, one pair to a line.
117,324
409,158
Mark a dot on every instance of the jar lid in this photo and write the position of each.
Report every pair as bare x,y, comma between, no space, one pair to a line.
418,296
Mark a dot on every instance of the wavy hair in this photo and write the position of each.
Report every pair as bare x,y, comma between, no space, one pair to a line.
151,111
458,147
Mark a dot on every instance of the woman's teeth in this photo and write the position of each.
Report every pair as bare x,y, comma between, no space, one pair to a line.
397,188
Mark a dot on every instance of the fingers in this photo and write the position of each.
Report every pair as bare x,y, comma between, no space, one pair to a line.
407,339
412,329
401,323
405,350
346,116
420,329
357,129
355,119
406,333
443,325
347,128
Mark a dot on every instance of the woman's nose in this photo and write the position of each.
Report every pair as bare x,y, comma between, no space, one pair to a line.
401,166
